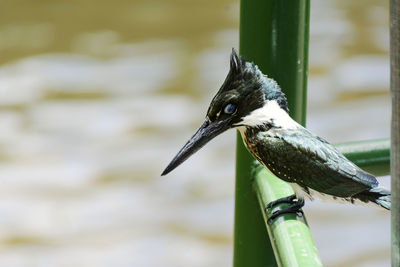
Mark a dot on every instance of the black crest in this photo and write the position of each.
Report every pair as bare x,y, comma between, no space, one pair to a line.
236,61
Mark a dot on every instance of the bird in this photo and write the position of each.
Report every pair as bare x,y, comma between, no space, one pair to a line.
255,105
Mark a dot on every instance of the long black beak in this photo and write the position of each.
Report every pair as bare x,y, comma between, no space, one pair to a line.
206,132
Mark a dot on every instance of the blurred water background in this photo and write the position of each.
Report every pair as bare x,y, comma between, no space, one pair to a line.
98,96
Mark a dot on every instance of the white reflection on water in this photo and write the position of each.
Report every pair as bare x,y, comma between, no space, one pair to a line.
80,173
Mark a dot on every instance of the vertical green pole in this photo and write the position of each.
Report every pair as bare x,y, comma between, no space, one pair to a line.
252,246
395,132
273,34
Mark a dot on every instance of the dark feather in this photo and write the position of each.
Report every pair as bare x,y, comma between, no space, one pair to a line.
298,156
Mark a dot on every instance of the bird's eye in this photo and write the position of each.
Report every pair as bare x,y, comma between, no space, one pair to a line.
229,109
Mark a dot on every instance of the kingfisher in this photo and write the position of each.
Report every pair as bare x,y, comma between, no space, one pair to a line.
254,104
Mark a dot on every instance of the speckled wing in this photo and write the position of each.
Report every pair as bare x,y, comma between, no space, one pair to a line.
298,156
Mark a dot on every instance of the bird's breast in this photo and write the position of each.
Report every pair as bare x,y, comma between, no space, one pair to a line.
248,141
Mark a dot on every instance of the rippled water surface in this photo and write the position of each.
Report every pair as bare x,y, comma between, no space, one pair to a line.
98,96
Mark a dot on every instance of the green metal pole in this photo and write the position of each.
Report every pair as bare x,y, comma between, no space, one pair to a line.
291,237
395,132
251,242
273,34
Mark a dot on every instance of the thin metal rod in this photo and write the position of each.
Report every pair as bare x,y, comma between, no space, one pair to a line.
395,131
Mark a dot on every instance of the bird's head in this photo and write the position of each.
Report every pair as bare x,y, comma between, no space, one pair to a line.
245,99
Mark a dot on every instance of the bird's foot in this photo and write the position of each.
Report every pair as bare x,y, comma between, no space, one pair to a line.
288,199
295,206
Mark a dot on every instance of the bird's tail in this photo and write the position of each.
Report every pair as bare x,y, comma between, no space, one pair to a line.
377,195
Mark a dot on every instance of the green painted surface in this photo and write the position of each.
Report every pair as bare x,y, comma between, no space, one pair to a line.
251,242
291,238
273,34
